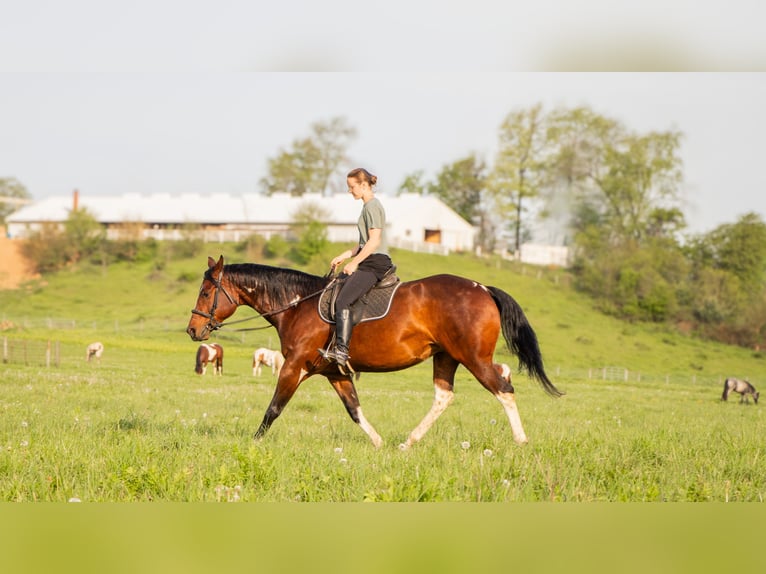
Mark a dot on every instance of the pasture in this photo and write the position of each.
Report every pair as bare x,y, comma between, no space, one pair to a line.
140,425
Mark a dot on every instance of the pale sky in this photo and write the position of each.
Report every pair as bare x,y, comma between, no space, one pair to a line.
171,96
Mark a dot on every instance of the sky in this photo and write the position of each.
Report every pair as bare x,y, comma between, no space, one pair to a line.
170,96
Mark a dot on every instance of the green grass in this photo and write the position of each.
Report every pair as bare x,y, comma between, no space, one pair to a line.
142,426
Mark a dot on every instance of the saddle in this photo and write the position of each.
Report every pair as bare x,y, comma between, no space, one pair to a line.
373,305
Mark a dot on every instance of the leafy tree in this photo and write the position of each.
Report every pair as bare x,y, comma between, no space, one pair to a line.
518,173
52,247
311,230
308,166
84,235
13,195
413,183
46,248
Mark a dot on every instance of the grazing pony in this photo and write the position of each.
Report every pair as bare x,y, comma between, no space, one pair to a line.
209,353
455,320
744,388
94,351
273,359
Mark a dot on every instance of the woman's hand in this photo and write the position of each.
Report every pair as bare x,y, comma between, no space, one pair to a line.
350,267
340,259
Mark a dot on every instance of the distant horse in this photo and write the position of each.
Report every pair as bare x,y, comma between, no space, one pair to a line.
452,319
209,353
94,351
273,359
744,388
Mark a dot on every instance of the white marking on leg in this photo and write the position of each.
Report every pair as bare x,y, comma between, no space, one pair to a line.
367,427
442,399
508,400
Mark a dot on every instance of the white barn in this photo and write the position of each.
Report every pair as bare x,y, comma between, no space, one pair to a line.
413,221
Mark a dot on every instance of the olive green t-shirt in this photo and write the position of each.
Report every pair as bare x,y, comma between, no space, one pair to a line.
373,216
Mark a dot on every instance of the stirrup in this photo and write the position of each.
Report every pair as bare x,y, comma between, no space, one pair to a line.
344,367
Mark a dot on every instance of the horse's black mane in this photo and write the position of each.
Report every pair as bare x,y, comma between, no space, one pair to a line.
279,285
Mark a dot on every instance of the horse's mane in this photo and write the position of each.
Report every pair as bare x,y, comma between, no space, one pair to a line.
279,285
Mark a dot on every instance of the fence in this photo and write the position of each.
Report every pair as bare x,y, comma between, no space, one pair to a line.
48,354
32,352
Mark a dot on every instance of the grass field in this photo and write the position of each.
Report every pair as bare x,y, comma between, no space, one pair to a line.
141,425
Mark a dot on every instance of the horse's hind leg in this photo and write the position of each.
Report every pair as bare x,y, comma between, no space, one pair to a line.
347,393
503,391
444,380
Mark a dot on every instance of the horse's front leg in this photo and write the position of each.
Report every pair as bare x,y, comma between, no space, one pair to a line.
289,380
347,393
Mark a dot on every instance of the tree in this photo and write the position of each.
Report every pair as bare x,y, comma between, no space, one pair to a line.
518,174
639,185
52,247
462,186
310,227
413,183
311,162
13,195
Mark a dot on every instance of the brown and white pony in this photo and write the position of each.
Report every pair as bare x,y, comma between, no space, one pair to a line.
264,356
209,353
94,351
744,388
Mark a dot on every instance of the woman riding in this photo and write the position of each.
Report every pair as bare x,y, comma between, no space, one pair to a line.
369,263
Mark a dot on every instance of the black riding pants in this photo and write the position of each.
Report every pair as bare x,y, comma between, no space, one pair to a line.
369,272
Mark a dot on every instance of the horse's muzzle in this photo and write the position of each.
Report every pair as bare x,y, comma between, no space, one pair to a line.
202,335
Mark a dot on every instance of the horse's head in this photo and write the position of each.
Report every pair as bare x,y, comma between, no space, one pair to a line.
211,309
756,394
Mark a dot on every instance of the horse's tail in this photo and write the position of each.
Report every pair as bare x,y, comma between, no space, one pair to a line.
198,365
521,339
725,394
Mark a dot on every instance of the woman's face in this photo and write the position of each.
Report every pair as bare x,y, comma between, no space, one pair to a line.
357,188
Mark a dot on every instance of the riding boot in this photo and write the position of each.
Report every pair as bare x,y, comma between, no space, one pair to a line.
343,328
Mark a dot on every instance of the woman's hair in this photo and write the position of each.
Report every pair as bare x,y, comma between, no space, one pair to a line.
361,174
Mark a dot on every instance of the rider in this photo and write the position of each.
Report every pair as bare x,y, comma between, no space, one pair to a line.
369,264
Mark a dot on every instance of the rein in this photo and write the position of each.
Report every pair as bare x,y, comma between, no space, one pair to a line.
214,324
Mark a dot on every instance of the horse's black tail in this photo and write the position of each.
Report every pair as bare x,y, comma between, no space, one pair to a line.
725,394
521,339
198,365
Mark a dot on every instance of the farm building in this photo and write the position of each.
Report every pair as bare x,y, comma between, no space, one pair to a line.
414,221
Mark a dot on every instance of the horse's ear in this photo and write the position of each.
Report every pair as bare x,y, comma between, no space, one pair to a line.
212,264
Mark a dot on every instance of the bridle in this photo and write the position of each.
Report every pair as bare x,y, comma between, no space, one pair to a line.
212,323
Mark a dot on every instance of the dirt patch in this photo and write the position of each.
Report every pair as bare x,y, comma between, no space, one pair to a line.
14,267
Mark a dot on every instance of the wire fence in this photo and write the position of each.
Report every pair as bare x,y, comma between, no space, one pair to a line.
22,351
49,354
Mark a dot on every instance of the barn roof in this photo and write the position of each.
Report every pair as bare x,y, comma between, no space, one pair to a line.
236,209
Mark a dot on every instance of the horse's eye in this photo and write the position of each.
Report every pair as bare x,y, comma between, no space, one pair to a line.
205,294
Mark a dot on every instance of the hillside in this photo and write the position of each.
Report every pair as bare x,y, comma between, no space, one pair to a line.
151,301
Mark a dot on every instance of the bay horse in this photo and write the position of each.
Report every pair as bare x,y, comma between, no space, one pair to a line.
452,319
744,388
209,353
268,357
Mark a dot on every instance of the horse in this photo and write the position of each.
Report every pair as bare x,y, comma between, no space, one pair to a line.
453,319
744,388
273,359
209,353
94,351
